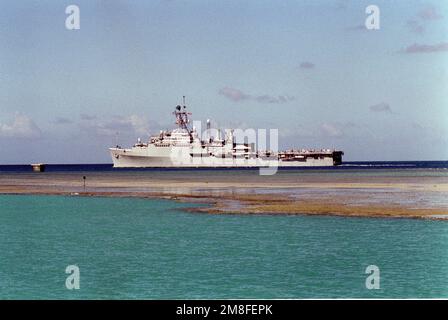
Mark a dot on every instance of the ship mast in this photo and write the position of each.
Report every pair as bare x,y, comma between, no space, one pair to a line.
182,118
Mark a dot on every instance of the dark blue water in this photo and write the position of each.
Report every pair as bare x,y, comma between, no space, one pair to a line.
356,165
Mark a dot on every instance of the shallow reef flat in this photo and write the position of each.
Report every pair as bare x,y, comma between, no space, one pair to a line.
370,195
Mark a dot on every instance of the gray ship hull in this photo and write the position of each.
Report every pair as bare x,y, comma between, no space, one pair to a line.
129,158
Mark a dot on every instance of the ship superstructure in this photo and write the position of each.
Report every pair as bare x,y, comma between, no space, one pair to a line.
185,147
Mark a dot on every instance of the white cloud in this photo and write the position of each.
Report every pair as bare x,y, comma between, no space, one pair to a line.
21,127
87,117
381,107
429,13
307,65
426,48
132,124
236,95
62,120
332,129
139,124
233,94
418,23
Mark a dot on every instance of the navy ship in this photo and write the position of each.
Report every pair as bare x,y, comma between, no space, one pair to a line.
185,147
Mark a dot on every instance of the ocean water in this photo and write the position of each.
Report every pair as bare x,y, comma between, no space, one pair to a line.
152,249
356,165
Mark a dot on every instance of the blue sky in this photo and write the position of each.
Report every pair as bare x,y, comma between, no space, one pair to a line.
308,68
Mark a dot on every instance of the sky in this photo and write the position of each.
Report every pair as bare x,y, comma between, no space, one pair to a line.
310,69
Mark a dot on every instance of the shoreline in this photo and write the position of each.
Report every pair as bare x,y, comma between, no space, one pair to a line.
301,194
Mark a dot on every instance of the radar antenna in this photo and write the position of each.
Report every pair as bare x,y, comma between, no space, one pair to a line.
182,120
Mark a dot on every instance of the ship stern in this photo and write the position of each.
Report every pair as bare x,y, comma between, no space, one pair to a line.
337,157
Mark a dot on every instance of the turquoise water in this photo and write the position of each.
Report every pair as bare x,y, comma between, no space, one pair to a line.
139,248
